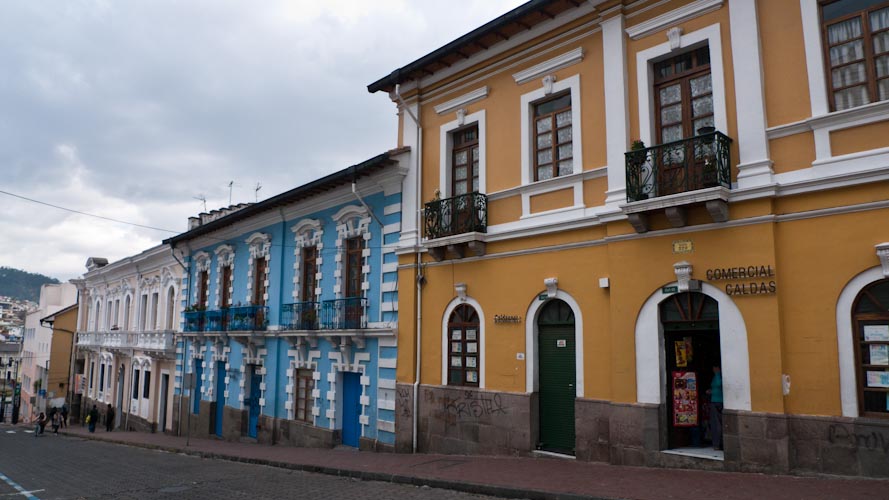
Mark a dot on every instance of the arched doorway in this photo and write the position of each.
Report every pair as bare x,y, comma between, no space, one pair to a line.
690,324
557,377
870,318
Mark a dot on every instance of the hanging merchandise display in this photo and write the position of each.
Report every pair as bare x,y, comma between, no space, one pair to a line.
685,399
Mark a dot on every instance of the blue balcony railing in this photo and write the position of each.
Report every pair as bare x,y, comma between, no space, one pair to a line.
344,314
698,162
300,316
240,318
195,321
247,318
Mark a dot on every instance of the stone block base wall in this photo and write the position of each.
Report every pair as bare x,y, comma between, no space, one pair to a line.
471,421
465,420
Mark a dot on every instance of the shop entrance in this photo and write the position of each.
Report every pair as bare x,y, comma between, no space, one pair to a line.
220,398
556,364
691,348
351,408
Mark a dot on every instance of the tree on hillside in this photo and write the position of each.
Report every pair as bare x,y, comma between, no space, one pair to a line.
22,285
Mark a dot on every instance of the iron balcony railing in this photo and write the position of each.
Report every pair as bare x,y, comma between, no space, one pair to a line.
238,318
461,214
344,314
195,321
699,162
300,315
247,318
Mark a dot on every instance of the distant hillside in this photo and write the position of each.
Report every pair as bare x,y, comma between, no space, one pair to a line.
22,284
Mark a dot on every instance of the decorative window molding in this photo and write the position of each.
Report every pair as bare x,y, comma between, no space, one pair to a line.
253,355
202,261
463,100
349,211
307,233
302,357
675,16
528,100
883,255
709,36
259,245
446,143
548,66
462,299
352,221
225,257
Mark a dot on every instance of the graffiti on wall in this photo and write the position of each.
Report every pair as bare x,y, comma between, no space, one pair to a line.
472,405
403,401
841,434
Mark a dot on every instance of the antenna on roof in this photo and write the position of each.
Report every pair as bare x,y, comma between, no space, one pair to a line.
203,199
256,191
230,184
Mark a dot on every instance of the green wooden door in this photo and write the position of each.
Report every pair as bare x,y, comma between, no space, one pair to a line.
557,377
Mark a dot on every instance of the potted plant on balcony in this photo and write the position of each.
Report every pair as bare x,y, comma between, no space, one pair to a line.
637,157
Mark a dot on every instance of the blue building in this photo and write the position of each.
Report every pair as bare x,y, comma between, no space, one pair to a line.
291,313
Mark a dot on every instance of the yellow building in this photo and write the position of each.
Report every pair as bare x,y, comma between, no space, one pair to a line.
576,287
64,325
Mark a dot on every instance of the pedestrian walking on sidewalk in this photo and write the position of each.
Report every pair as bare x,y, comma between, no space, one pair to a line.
92,418
41,424
109,419
64,416
55,420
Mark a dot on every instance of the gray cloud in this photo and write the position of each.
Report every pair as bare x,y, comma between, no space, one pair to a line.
130,109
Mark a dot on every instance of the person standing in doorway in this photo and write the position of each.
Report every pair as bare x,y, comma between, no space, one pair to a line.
92,418
109,419
715,393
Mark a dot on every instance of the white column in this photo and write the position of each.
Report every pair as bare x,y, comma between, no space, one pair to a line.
410,199
754,166
814,56
614,45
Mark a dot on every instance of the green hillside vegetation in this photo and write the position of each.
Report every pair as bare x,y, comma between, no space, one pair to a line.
22,285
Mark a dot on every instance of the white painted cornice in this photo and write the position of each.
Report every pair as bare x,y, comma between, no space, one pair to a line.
675,16
548,66
463,100
876,111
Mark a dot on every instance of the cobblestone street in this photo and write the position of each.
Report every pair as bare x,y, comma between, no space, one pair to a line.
56,467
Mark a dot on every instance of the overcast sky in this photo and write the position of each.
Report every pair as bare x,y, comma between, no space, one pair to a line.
130,109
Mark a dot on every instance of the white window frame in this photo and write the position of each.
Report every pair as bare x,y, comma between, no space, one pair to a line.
528,100
645,60
446,141
445,340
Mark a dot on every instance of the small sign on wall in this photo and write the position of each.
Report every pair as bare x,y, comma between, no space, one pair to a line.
561,343
683,246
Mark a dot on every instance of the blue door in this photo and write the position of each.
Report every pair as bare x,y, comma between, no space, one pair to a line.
196,392
253,420
220,396
351,408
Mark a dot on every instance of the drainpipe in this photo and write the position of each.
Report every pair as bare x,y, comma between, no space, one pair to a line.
184,344
419,257
280,304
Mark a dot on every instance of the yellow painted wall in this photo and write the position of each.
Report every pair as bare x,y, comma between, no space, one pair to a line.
786,82
861,138
793,152
553,200
60,352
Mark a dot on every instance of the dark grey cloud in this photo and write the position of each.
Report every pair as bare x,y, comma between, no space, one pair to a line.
130,109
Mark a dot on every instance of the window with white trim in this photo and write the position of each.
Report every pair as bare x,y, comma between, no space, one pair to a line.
856,45
553,146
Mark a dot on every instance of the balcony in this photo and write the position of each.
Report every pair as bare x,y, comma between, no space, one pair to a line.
344,314
231,319
678,174
161,341
455,225
300,316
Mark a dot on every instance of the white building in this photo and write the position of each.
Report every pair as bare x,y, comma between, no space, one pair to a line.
36,347
125,337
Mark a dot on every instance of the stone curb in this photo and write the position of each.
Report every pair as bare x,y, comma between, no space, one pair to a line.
474,488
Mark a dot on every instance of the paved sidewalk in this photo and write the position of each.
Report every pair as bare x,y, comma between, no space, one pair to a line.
513,477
